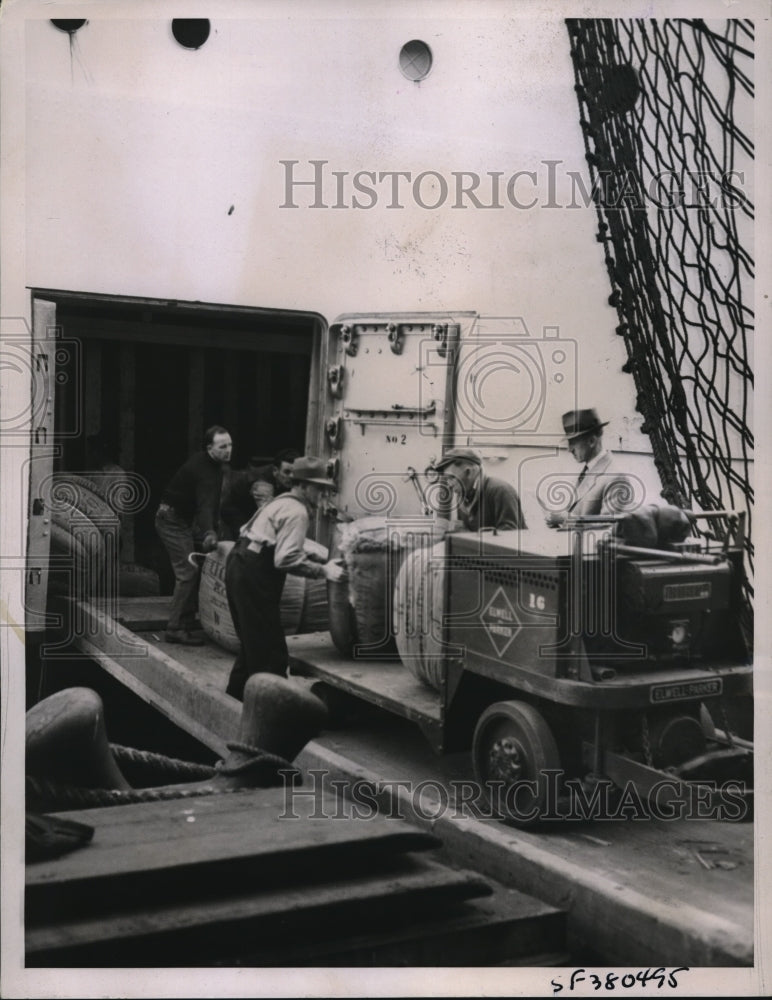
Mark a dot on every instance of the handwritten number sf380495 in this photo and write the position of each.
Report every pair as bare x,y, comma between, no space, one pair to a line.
612,981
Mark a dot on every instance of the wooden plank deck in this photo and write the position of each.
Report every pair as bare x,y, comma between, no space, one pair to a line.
242,878
154,847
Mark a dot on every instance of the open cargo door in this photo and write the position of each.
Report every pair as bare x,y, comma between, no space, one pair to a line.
42,453
389,407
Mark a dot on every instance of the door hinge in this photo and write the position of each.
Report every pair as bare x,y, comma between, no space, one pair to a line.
441,336
350,339
396,337
335,380
334,430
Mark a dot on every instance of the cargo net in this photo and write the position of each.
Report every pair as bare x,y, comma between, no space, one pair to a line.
666,109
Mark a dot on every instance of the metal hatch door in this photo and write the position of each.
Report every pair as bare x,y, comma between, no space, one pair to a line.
388,408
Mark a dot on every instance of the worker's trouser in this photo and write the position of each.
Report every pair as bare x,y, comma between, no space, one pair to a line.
177,537
254,587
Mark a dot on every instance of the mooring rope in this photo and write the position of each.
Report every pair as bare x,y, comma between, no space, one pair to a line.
265,769
49,796
159,764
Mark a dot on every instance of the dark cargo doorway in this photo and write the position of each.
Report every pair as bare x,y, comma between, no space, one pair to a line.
151,375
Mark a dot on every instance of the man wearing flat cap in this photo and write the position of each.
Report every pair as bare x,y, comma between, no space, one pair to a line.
484,501
600,488
271,544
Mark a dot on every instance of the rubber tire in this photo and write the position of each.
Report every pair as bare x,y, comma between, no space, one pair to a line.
532,738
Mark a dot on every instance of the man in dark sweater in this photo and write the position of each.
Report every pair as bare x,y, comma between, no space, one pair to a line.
189,519
250,488
484,502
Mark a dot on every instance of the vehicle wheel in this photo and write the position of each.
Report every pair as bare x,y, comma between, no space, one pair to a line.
706,722
512,749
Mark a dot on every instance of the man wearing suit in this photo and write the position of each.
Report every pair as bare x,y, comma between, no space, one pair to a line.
600,488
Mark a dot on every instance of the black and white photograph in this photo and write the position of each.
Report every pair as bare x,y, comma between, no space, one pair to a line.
383,589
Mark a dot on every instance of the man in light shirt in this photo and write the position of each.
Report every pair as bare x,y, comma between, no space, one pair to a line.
271,544
600,488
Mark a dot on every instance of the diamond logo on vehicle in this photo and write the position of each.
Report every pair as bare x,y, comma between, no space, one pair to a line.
500,621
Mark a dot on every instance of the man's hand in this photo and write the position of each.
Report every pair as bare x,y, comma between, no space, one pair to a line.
335,571
209,542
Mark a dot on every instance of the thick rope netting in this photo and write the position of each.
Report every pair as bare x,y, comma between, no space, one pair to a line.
666,109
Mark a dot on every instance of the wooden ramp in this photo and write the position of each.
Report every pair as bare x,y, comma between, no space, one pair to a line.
184,683
260,878
386,683
187,683
140,614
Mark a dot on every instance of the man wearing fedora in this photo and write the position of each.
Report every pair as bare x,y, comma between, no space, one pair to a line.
271,544
601,488
484,501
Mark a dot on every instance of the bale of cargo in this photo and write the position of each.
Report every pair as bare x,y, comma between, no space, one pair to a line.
419,603
343,630
362,607
315,613
97,534
78,565
76,506
303,602
69,490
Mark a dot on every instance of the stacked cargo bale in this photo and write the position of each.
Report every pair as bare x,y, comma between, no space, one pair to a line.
85,528
368,614
126,493
419,606
84,536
